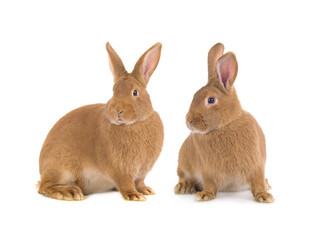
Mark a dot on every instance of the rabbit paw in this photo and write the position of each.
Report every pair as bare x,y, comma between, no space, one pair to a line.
133,196
186,187
264,197
146,190
68,193
205,196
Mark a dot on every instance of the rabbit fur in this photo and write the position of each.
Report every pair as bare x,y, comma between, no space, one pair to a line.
100,147
226,149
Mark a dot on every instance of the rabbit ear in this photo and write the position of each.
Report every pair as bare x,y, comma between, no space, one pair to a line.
147,63
227,68
213,55
116,64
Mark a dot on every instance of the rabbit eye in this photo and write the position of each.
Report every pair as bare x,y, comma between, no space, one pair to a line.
211,100
135,93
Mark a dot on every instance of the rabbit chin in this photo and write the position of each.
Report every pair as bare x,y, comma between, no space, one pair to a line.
196,131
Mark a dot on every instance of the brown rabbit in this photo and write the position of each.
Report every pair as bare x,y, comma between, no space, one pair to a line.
226,149
98,147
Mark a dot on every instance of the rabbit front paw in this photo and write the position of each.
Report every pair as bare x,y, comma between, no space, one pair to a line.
185,187
146,190
264,197
133,196
205,196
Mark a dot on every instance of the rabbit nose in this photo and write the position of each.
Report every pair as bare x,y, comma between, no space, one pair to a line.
189,119
119,114
119,118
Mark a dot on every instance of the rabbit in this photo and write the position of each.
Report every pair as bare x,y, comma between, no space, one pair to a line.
226,149
101,147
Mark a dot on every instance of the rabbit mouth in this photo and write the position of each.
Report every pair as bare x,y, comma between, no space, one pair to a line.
192,128
121,121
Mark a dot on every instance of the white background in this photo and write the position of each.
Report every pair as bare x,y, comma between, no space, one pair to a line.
53,60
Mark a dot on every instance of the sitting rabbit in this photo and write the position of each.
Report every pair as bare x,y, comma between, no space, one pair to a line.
100,147
226,149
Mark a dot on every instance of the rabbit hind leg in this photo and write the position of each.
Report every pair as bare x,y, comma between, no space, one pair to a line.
59,185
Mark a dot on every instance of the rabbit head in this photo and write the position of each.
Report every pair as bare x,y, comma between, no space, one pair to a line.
216,104
131,102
